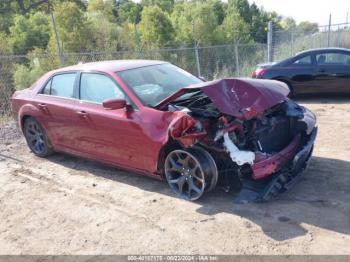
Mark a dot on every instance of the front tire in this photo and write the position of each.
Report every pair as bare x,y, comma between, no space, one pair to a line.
36,138
190,172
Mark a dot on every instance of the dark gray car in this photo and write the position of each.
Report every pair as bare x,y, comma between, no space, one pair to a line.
324,70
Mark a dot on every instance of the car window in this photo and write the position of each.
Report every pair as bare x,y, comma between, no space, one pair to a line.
306,60
152,84
63,85
47,89
335,58
98,88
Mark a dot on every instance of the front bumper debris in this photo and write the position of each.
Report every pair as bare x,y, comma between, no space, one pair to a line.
283,180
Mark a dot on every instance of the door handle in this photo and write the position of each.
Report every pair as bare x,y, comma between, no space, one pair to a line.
82,113
42,105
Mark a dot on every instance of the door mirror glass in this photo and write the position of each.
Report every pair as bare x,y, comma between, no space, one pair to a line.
114,104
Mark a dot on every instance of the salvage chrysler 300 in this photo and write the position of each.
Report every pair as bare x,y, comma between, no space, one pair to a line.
154,118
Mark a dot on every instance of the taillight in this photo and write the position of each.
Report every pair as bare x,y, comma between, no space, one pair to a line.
258,72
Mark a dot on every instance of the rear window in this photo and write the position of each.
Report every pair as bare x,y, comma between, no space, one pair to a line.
47,89
61,85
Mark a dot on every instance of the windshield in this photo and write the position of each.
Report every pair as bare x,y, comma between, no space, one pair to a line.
154,83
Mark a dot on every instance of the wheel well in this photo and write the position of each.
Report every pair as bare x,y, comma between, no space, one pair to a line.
24,118
165,150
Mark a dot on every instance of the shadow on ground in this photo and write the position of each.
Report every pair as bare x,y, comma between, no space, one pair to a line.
320,199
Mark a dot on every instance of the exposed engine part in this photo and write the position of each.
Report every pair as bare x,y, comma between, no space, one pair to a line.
260,147
240,157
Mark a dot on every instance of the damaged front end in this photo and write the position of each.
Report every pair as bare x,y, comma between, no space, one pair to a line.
250,128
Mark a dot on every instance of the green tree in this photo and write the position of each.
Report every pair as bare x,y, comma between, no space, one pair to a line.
234,27
288,23
28,33
26,6
7,12
165,5
104,7
73,28
219,10
6,80
105,34
128,11
256,19
306,27
155,27
39,63
195,21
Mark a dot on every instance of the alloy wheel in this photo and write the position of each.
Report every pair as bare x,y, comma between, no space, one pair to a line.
185,174
35,137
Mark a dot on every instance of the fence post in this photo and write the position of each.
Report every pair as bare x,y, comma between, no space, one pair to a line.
329,30
196,52
269,42
292,41
137,40
235,46
59,47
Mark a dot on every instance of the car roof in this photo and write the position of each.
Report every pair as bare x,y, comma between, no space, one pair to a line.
327,49
111,65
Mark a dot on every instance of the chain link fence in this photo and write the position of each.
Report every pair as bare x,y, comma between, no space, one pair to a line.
18,72
212,62
286,43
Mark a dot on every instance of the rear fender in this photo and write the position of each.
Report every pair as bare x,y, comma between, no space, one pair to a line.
28,110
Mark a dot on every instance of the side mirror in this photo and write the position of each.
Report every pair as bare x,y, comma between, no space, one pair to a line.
114,104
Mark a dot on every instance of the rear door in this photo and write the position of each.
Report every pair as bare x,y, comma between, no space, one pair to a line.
333,72
57,104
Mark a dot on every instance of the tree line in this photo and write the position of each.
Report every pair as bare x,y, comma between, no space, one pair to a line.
122,25
26,28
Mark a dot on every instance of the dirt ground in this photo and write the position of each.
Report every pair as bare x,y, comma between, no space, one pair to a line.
66,205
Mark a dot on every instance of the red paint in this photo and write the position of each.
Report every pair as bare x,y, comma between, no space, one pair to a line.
130,140
134,139
114,104
271,164
241,98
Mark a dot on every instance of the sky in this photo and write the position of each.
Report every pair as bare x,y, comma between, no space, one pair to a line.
311,10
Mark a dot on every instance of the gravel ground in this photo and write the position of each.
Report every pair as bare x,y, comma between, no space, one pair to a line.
66,205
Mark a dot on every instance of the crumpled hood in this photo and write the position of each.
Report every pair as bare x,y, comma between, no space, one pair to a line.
243,97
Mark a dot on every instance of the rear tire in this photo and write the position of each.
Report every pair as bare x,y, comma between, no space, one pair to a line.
36,138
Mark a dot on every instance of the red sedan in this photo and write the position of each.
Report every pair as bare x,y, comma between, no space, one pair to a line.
154,118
